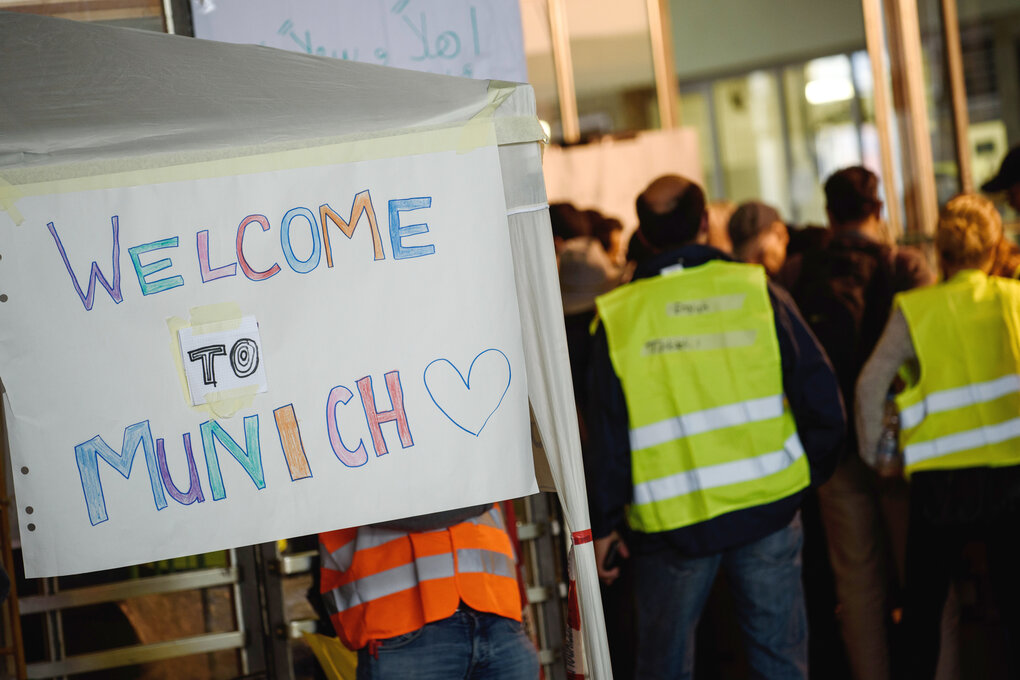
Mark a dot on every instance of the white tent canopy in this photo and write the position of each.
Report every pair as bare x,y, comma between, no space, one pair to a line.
82,100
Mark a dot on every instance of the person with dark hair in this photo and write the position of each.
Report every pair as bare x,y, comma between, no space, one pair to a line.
851,197
586,271
689,211
759,236
958,433
1007,179
844,288
567,222
609,232
712,409
1007,182
806,237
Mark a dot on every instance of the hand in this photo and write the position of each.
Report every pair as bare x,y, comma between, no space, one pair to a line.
602,550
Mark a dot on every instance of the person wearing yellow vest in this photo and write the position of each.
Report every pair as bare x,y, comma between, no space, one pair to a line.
430,597
959,344
713,409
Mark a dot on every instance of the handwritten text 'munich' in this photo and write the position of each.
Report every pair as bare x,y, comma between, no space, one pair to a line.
215,437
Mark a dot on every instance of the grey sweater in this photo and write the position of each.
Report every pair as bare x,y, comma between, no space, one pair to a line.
894,349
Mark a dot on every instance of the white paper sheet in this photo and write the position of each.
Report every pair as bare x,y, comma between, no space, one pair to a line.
221,361
396,381
452,37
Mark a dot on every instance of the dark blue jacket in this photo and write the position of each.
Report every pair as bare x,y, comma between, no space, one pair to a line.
811,389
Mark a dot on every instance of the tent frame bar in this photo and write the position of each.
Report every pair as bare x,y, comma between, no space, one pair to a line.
113,592
135,654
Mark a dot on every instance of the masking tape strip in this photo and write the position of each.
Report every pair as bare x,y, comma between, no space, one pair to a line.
499,92
9,194
228,402
225,316
518,124
478,128
175,167
476,133
215,327
519,129
370,149
158,161
209,319
534,207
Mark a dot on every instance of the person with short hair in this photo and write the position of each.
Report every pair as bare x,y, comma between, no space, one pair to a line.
959,431
1007,179
845,288
713,409
609,232
759,236
567,223
851,197
1007,182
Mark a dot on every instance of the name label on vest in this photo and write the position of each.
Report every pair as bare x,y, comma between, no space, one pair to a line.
694,343
720,303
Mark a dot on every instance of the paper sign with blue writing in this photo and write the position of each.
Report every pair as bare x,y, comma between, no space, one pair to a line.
192,365
454,37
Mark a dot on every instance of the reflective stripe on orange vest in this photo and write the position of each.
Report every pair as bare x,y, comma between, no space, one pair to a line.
409,575
379,583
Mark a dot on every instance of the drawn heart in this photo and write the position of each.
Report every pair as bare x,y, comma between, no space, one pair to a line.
469,402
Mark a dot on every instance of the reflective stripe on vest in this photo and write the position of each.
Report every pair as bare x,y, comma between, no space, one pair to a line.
378,583
713,476
962,441
423,569
698,359
716,418
957,397
964,410
340,559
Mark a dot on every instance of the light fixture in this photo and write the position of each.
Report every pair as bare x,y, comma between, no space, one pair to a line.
828,90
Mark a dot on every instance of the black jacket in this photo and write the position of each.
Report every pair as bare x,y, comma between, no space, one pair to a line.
810,386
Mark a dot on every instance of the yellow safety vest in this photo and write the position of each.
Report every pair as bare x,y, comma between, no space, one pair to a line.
710,430
964,409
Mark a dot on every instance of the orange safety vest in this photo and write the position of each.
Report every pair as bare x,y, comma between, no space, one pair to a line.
380,583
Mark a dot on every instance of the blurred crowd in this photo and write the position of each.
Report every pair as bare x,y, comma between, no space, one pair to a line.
801,443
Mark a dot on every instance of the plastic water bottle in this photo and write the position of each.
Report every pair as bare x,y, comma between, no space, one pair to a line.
888,459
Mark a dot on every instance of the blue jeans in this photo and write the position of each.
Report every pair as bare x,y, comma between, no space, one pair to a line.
765,579
469,644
